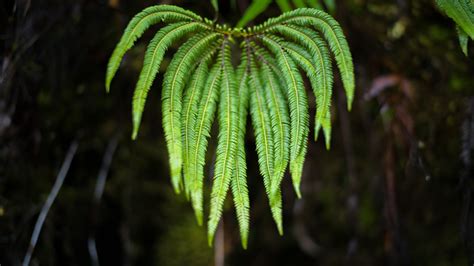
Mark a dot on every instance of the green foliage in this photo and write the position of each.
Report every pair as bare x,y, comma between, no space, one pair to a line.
256,8
259,6
215,5
462,12
268,84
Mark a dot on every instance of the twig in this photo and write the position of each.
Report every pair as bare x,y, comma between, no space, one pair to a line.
98,192
49,201
104,169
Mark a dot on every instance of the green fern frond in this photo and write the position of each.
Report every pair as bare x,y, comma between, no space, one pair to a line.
198,143
189,115
298,105
138,25
174,81
264,139
278,120
226,146
153,56
267,83
316,62
280,124
332,32
239,180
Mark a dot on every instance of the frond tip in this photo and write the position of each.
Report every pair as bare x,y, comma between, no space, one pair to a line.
267,85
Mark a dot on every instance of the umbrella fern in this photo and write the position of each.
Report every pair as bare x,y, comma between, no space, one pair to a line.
201,84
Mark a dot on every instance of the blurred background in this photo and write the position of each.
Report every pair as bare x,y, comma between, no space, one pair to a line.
395,188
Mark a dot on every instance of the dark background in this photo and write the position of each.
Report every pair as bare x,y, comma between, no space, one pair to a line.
395,188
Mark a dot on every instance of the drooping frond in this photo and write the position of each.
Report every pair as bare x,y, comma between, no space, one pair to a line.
226,146
279,120
153,56
264,140
332,32
174,81
298,105
316,62
239,180
138,25
267,83
202,130
280,125
189,115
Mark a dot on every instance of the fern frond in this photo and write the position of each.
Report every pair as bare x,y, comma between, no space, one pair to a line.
262,124
280,123
318,68
198,142
190,105
153,56
239,180
190,108
278,120
332,32
138,25
227,140
174,81
267,83
298,104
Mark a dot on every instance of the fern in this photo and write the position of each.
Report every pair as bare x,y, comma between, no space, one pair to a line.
280,124
226,147
264,138
318,70
201,80
205,116
239,179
